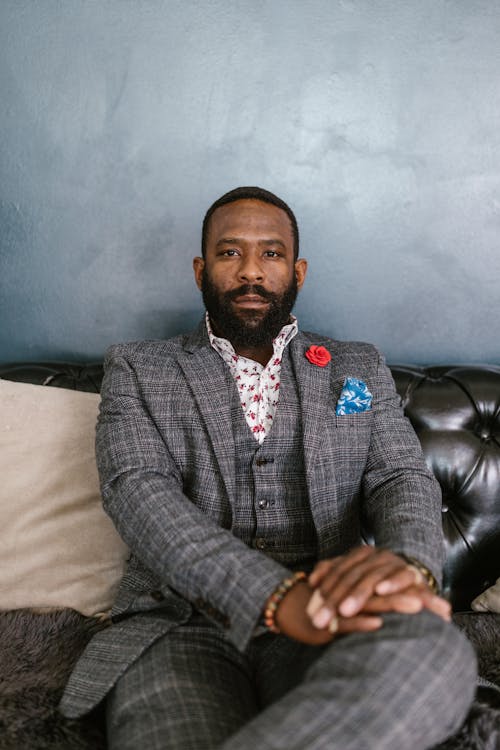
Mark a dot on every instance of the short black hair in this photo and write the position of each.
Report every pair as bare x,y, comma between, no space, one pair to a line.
255,194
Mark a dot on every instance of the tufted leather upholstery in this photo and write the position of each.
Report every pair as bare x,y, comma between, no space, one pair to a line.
456,414
59,374
455,411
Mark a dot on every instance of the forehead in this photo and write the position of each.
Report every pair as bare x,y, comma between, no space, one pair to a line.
250,219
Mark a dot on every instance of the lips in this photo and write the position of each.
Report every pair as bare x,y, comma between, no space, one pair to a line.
251,300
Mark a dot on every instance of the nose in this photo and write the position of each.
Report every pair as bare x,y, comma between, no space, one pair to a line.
250,270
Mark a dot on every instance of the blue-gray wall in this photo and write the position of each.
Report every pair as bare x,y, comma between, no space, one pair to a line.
378,120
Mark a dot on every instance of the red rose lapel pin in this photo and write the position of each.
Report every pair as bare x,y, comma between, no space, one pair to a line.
318,355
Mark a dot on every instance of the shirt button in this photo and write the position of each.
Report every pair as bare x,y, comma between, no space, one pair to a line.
260,543
263,504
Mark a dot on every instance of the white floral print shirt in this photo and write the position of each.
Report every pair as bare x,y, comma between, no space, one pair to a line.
258,386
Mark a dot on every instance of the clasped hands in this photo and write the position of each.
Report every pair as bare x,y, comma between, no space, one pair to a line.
348,594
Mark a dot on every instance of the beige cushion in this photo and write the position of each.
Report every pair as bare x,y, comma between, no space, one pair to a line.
57,546
489,600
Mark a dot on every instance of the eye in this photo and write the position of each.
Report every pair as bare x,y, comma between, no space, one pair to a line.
230,252
272,254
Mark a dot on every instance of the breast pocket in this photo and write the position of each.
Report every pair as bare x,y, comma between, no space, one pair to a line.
346,439
362,420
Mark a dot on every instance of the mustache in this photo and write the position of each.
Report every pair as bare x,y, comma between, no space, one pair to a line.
251,289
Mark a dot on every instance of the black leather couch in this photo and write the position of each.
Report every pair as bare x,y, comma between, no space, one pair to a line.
455,411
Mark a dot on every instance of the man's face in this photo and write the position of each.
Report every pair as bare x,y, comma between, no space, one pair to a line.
248,278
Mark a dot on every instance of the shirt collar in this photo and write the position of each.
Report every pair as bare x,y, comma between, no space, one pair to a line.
226,349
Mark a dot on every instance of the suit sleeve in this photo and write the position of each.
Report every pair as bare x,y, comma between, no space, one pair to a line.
142,492
402,498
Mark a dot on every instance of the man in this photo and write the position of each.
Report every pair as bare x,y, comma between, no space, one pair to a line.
239,463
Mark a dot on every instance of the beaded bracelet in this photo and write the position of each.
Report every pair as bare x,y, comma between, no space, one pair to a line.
277,597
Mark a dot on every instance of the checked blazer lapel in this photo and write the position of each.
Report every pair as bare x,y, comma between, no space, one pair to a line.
314,384
210,382
314,388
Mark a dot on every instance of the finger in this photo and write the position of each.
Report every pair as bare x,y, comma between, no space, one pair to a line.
409,601
318,609
351,584
401,579
431,601
321,569
361,623
342,565
315,603
352,594
321,610
325,567
358,624
333,625
405,604
323,617
412,600
436,604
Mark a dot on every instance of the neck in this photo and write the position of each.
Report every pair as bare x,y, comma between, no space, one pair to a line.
261,354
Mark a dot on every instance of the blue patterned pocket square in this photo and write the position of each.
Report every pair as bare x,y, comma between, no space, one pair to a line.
355,398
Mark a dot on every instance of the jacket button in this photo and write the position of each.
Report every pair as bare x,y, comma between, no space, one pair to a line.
157,596
263,504
260,543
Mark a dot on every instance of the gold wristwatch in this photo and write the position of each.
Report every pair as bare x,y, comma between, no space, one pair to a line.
424,572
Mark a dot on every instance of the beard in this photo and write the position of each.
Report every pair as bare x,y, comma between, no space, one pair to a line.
249,328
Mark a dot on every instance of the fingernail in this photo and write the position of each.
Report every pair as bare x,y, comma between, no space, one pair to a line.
384,587
322,618
333,625
349,606
315,603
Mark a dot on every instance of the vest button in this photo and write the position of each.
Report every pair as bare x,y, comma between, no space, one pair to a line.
263,504
264,461
260,543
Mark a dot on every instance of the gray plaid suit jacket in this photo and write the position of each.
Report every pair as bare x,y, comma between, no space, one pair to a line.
166,461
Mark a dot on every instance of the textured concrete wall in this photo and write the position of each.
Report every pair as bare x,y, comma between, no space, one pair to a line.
377,120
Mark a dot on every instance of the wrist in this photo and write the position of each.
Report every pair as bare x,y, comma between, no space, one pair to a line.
277,597
423,571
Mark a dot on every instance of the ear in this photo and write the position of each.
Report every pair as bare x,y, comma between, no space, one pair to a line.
300,271
198,266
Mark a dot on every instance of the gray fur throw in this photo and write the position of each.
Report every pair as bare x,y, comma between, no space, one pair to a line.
38,651
481,730
37,654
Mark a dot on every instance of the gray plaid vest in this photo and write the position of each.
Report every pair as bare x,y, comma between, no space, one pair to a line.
271,511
